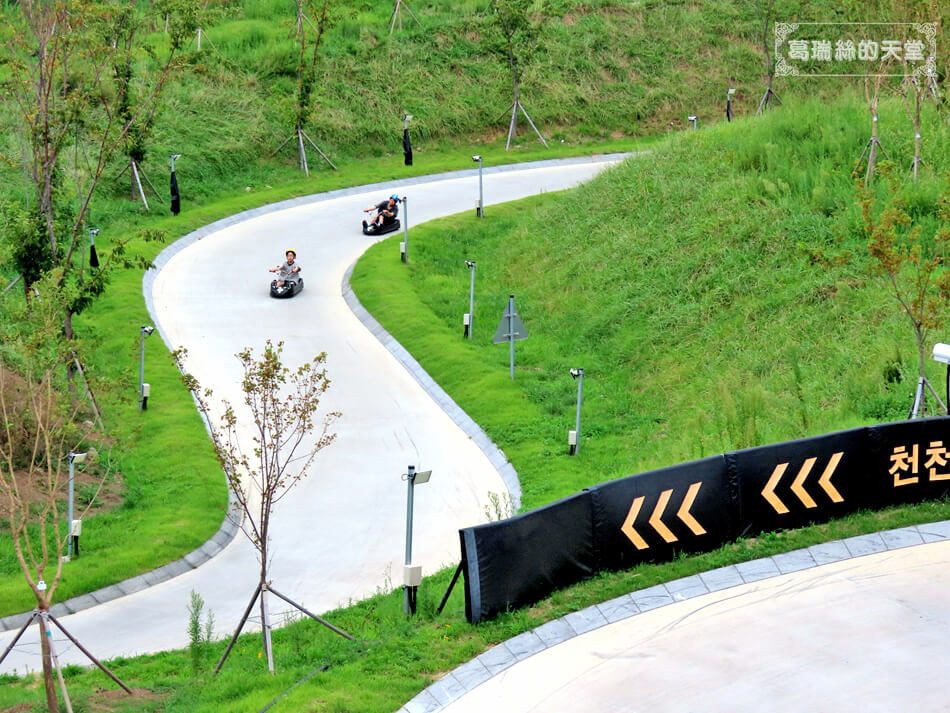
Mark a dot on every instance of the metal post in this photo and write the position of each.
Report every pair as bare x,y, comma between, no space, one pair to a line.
511,335
577,422
471,301
141,366
410,478
481,195
69,521
405,228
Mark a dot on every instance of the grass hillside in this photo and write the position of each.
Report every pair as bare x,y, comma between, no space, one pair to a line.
604,68
718,294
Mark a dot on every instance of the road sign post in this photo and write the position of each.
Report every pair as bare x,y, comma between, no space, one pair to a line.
510,329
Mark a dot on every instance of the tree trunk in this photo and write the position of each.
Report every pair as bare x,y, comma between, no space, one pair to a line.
52,704
921,357
513,124
872,154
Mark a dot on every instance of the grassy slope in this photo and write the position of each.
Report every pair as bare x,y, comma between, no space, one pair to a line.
702,296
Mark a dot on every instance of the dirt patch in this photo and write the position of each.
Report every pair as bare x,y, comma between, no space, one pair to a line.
106,700
93,492
569,19
95,487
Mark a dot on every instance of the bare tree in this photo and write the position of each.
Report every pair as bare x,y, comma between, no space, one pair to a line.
915,266
517,43
41,432
307,52
766,10
287,436
64,88
915,91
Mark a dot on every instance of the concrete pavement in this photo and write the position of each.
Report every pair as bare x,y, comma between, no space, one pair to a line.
340,536
855,625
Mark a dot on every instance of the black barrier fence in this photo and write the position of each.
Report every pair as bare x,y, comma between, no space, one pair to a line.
699,506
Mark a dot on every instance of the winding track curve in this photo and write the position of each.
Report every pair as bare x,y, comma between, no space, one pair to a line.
340,535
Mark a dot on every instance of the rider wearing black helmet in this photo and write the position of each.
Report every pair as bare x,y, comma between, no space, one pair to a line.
386,211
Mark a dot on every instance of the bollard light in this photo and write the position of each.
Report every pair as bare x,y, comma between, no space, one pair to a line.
413,576
481,196
573,437
467,320
144,332
73,537
692,118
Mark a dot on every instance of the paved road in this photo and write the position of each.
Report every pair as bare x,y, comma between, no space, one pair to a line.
341,535
864,634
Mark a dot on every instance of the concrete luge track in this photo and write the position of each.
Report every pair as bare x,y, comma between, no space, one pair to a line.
340,535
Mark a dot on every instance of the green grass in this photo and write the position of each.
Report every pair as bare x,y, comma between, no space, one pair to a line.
393,658
708,297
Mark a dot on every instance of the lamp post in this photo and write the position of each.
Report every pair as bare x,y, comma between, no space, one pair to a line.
405,230
470,317
73,458
144,332
478,208
412,575
574,437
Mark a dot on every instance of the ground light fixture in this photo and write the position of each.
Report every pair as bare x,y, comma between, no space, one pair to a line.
481,196
573,437
75,526
144,332
468,318
729,94
692,118
942,354
412,575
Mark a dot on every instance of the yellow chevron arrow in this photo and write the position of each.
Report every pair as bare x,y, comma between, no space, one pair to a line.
768,492
683,513
627,527
654,520
798,485
825,480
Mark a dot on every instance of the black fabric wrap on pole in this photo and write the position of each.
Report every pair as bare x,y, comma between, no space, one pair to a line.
406,147
176,198
524,558
93,255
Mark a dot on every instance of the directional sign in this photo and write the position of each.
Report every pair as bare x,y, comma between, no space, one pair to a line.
656,518
798,484
518,330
